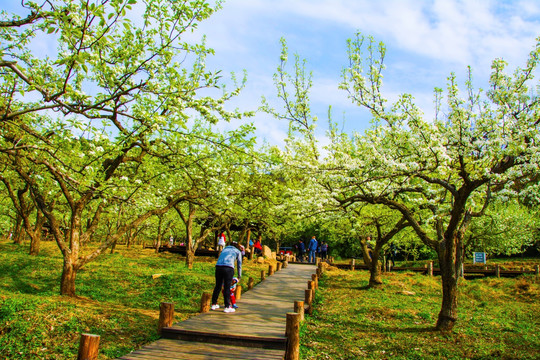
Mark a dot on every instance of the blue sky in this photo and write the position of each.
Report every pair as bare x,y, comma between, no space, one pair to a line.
426,40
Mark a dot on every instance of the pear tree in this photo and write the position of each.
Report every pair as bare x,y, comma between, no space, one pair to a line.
440,173
90,115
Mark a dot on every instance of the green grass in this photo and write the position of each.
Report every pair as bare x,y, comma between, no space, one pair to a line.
117,299
498,318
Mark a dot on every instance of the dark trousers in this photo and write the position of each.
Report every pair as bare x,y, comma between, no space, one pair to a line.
224,276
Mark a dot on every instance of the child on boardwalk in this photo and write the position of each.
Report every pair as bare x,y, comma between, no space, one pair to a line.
234,282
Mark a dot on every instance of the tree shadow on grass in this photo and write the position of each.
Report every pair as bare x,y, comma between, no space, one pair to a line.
382,329
411,330
348,286
27,277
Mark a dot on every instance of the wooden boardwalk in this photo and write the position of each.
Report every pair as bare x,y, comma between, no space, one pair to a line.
255,331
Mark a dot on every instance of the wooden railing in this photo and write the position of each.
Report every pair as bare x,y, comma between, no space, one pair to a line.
430,270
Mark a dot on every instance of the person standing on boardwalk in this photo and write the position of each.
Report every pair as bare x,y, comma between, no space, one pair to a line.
312,248
324,250
225,273
301,250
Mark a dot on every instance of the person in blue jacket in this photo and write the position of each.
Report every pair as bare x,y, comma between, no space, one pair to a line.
312,248
301,250
225,273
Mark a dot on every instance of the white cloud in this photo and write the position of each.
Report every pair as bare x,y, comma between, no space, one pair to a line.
426,40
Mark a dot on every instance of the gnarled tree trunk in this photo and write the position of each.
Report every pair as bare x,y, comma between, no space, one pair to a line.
18,231
36,234
69,273
375,277
450,260
190,258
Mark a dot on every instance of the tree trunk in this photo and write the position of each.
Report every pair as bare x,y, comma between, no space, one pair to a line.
158,242
18,233
448,314
35,242
375,277
113,247
449,263
67,282
190,257
129,238
247,240
159,236
36,234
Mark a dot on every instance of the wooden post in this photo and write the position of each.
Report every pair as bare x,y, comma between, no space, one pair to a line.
315,280
353,263
430,268
250,283
537,271
317,261
319,273
299,308
279,265
263,275
270,270
498,271
205,302
311,286
292,332
88,347
384,264
308,300
166,315
285,263
238,292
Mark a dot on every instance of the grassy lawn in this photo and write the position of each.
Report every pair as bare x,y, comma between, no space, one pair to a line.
118,300
498,319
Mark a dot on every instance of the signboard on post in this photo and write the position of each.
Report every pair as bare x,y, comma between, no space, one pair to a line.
479,258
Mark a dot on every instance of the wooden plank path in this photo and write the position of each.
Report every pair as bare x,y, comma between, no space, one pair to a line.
255,331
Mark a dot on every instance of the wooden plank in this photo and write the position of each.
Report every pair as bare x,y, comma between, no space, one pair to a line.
189,347
175,350
265,342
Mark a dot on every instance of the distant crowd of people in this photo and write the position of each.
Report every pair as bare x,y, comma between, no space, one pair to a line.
313,249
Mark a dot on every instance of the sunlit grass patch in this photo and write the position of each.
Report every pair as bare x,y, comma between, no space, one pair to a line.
397,319
118,299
